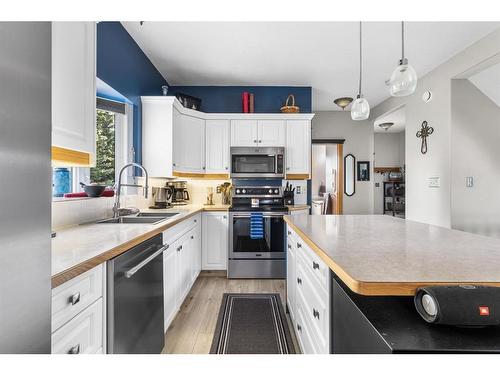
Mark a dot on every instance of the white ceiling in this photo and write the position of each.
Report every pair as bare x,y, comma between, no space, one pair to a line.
397,117
488,81
323,55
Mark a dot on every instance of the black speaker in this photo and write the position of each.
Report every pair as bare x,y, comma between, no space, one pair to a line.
461,305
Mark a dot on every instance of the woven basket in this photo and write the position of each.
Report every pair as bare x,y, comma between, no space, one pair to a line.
287,108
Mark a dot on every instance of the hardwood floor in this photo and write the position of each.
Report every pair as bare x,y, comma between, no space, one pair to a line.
192,330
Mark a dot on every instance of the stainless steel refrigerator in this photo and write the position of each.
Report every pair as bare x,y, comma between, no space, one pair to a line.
25,187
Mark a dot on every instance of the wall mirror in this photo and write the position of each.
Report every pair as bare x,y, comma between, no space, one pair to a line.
349,175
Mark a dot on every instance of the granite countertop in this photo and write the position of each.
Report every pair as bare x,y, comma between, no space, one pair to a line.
79,248
382,255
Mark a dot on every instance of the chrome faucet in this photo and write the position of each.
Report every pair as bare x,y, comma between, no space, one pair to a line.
117,211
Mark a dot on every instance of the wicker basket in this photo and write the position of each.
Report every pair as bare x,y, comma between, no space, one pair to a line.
287,108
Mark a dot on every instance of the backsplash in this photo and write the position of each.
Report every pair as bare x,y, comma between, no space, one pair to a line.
197,190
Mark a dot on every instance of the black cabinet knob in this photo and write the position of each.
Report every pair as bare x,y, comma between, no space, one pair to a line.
299,280
315,265
315,313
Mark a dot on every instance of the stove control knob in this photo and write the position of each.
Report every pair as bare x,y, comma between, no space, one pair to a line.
244,191
270,191
238,191
276,191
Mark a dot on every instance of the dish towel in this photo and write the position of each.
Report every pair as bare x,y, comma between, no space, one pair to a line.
256,226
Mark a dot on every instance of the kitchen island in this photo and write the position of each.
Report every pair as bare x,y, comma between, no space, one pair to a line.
374,265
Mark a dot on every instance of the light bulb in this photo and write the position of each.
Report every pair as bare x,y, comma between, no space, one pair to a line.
360,109
403,80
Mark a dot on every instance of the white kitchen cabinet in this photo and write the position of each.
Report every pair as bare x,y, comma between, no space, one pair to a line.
171,287
298,147
189,144
215,241
261,133
181,264
73,86
271,133
308,291
217,146
244,133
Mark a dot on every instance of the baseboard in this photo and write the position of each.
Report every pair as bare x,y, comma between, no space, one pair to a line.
213,273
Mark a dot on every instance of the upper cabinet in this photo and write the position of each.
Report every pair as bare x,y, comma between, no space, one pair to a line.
189,144
73,92
181,142
244,133
271,133
217,146
261,133
298,147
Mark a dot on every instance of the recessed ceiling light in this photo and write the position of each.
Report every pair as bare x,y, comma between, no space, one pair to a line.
343,102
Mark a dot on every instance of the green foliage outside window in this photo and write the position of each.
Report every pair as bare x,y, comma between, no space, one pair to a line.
104,171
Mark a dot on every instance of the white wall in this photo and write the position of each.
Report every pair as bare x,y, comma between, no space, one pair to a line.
474,151
433,205
358,137
318,168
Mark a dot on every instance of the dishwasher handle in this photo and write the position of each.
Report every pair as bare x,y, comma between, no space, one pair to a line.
133,270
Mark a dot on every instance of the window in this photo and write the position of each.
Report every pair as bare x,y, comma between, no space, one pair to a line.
113,146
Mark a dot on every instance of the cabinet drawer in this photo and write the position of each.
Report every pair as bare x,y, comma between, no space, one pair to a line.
75,295
175,232
303,333
314,306
82,334
314,265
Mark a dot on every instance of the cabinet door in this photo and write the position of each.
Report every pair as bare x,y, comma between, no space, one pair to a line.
298,147
244,133
177,140
73,86
215,241
217,146
184,266
271,133
290,278
171,284
189,144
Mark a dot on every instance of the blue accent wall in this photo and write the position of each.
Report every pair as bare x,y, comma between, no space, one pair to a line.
122,65
227,99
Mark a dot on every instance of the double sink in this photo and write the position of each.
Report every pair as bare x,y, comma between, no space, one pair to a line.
140,218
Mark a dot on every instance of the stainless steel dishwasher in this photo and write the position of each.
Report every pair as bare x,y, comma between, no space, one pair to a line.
135,299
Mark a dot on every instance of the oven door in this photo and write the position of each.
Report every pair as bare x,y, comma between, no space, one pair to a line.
271,245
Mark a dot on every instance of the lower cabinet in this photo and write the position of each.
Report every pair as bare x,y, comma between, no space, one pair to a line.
215,241
181,265
308,296
78,320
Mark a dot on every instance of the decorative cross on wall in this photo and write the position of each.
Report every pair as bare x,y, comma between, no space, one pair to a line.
424,133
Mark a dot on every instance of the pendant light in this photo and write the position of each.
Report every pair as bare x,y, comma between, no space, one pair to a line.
360,109
403,80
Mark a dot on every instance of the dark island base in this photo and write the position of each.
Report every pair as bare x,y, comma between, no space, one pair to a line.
367,324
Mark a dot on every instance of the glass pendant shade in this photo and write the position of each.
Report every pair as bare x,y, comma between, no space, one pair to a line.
403,80
360,109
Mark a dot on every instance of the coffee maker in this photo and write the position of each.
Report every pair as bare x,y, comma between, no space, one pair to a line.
180,195
162,197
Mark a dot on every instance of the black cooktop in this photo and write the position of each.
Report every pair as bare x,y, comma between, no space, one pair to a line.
264,208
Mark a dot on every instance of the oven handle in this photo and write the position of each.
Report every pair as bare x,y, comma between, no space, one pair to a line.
266,215
133,270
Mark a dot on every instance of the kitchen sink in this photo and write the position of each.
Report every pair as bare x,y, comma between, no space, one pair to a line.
132,220
157,214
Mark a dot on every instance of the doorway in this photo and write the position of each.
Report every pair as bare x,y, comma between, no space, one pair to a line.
327,185
389,187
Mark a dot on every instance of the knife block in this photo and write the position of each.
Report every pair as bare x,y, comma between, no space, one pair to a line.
288,197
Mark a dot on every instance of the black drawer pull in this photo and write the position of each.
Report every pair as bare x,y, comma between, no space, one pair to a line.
299,280
289,246
299,327
299,245
315,265
315,313
75,349
289,233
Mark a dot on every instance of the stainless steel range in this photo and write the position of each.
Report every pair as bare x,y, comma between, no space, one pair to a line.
257,233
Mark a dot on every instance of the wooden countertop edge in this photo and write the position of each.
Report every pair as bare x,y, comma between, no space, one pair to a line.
70,273
372,288
298,207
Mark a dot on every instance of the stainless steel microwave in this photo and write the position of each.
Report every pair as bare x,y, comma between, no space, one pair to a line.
257,162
